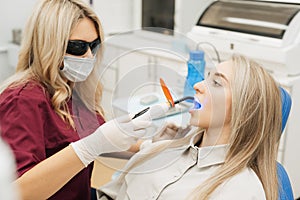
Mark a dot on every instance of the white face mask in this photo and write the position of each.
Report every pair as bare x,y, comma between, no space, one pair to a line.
77,69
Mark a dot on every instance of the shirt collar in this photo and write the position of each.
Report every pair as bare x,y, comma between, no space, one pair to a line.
208,156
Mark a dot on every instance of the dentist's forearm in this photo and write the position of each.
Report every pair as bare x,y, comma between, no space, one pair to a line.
50,175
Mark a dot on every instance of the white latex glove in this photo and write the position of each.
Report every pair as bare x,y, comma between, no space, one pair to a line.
116,135
170,131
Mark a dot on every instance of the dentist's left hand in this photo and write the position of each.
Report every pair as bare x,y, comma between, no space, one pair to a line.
116,135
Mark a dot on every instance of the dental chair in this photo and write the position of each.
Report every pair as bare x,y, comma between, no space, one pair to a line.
284,184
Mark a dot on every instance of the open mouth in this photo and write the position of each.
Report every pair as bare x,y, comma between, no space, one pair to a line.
197,104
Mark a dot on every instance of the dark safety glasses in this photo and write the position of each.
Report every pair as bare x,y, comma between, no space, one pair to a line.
79,47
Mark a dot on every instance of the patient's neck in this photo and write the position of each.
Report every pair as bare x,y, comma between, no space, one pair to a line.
215,136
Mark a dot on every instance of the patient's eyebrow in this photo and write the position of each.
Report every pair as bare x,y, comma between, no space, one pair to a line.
221,75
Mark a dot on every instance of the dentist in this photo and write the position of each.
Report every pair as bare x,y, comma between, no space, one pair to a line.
50,108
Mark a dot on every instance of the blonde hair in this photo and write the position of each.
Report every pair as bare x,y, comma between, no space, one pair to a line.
42,52
256,127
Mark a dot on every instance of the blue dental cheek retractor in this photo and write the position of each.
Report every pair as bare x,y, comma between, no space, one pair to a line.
197,104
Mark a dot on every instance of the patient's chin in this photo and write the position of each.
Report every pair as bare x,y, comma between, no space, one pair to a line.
194,121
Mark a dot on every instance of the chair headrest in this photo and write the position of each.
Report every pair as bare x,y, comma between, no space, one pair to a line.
286,102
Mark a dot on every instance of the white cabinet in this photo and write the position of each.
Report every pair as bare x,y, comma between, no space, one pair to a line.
115,15
135,74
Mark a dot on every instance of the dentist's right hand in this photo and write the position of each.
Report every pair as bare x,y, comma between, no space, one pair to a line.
116,135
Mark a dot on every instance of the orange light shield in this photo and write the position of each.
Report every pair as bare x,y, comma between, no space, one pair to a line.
167,92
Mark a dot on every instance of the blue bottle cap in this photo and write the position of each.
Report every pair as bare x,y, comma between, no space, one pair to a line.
197,55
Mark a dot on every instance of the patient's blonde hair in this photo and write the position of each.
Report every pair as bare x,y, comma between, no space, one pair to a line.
42,52
256,127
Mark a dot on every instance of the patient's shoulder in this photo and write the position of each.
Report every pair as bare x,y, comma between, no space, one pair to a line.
245,184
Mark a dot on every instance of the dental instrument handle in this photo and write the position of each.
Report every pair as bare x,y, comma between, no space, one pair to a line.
170,105
141,112
183,99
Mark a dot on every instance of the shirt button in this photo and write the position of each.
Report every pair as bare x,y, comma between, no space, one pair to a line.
153,194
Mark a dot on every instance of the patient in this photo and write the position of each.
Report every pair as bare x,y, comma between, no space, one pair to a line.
233,154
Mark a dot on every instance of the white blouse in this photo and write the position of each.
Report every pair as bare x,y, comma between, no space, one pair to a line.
175,173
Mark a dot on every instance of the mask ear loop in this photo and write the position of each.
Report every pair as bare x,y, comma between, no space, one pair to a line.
61,66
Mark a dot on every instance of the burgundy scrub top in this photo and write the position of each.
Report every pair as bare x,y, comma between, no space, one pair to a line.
34,131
